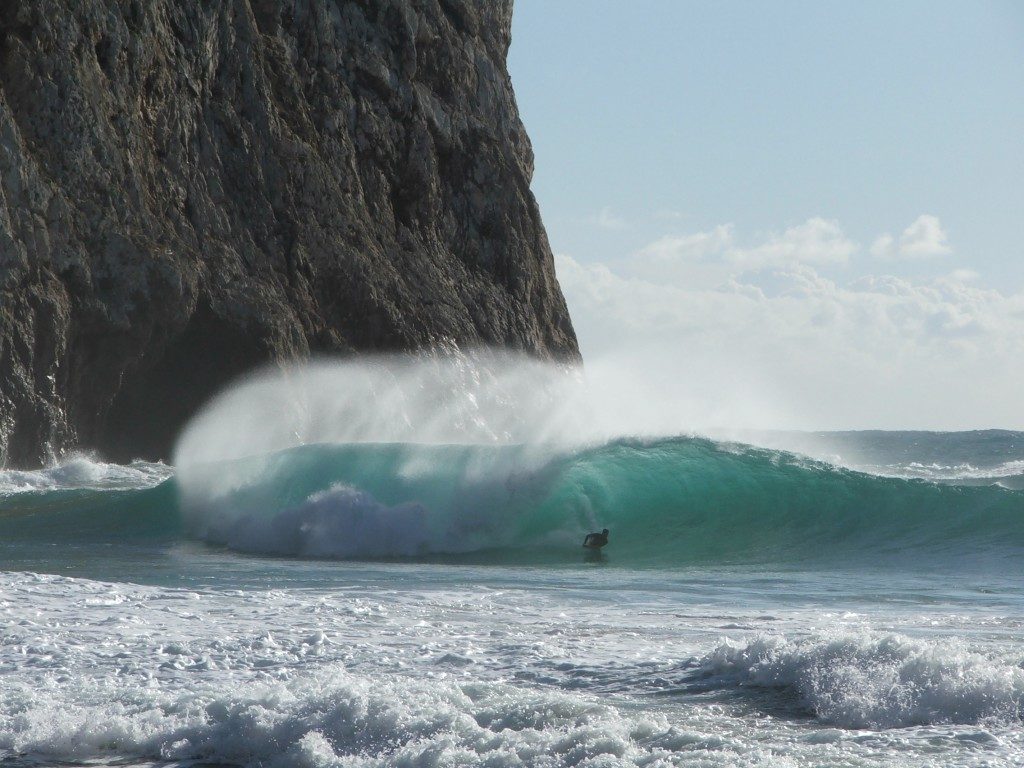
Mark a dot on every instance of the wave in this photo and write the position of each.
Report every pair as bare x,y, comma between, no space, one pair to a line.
82,472
874,681
341,718
1009,474
678,501
69,512
338,716
668,503
980,457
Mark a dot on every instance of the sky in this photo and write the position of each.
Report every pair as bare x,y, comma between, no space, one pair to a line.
788,215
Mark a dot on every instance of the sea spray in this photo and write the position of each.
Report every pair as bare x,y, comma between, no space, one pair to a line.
485,397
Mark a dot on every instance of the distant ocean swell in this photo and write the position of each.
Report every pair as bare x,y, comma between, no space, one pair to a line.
667,502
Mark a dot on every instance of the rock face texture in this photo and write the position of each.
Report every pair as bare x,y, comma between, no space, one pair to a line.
190,189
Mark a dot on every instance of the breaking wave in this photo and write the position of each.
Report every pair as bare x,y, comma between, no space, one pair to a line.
875,681
81,472
677,501
667,502
340,718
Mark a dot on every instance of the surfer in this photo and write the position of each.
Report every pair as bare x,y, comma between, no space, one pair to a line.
596,540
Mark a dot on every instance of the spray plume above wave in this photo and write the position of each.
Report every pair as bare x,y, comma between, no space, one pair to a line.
459,454
436,398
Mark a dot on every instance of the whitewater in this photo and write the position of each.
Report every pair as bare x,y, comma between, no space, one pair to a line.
380,564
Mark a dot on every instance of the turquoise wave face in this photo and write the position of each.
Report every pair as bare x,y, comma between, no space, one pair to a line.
695,501
668,503
91,515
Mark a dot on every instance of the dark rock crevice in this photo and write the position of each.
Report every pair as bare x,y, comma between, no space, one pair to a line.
188,190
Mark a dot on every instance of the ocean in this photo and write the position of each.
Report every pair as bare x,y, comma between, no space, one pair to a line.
786,599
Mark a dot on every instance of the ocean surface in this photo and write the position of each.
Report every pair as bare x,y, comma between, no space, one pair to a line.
833,599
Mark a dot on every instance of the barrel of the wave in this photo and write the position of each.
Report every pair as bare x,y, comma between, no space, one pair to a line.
683,501
670,502
369,500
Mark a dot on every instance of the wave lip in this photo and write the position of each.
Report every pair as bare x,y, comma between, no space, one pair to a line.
875,681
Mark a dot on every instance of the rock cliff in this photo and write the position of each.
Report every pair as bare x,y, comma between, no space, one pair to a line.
188,190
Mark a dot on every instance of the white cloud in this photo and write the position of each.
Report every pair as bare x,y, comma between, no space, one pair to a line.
688,247
669,214
816,241
692,260
963,276
883,246
924,238
880,351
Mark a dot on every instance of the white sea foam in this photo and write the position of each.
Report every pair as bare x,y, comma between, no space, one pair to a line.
401,671
338,718
282,679
878,681
81,472
936,471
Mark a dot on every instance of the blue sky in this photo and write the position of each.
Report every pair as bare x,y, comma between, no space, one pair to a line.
847,174
766,114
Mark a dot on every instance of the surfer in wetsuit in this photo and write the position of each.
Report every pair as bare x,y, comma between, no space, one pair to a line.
596,540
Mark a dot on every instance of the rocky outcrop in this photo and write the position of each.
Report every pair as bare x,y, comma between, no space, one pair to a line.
188,190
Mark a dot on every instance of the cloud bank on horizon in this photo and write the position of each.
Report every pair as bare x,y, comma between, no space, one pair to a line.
805,328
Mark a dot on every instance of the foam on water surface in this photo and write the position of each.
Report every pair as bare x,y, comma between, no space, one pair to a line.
82,472
401,670
876,681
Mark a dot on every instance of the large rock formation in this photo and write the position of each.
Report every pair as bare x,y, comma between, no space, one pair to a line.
190,189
